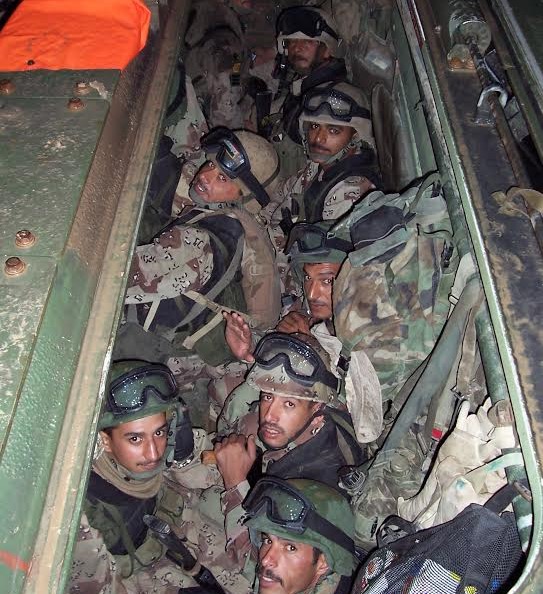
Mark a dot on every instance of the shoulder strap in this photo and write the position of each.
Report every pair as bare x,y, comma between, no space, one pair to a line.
218,287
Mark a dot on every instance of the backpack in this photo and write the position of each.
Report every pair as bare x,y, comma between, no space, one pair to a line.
447,558
390,297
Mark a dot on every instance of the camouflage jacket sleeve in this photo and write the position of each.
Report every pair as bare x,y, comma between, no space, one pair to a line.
180,259
238,543
344,195
93,566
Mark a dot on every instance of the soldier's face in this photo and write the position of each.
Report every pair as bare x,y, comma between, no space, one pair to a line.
304,55
281,418
138,445
287,566
326,140
318,282
212,185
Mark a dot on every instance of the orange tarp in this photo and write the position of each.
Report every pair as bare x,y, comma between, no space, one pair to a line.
73,34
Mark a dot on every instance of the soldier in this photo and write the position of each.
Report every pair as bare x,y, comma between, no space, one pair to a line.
304,533
224,51
309,49
210,259
316,260
337,134
298,415
143,430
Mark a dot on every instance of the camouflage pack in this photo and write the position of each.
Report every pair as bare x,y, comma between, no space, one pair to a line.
391,295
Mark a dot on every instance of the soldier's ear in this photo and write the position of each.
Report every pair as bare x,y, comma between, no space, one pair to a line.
321,567
106,441
325,52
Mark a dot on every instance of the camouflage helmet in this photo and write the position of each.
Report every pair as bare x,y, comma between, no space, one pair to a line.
312,243
246,158
308,22
293,366
304,511
338,103
137,389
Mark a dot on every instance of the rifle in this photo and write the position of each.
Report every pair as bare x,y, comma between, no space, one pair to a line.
180,554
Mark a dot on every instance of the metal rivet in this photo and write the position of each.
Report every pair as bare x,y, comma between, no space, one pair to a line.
24,238
6,86
75,104
456,64
31,62
82,88
14,266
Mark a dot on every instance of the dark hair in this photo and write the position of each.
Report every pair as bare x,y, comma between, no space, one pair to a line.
316,554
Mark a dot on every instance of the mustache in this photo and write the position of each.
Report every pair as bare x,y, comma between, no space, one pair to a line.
318,148
271,426
317,303
268,574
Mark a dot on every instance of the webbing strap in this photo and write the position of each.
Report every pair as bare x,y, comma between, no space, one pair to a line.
216,290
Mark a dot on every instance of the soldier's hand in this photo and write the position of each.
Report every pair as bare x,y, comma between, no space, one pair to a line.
235,456
295,321
238,337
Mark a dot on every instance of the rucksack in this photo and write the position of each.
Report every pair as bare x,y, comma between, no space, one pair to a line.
390,297
477,552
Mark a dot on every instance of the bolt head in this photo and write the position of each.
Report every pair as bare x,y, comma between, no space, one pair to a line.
14,266
6,86
24,238
82,88
75,104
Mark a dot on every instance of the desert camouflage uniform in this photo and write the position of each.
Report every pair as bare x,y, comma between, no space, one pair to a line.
338,201
94,568
223,54
223,507
187,132
182,259
285,110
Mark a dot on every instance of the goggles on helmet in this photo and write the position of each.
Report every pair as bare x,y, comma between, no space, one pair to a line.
303,20
287,507
233,160
310,238
333,103
306,369
130,393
